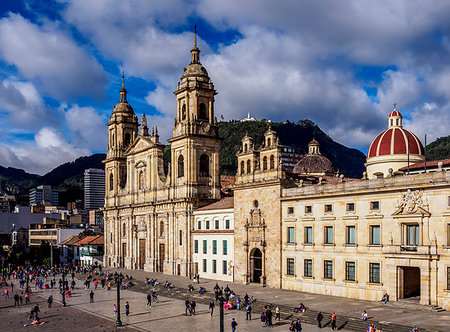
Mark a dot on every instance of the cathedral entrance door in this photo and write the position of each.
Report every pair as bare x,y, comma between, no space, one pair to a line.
411,282
141,253
161,257
256,265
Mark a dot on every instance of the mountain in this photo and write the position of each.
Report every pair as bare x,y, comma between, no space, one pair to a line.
349,162
439,149
13,180
68,177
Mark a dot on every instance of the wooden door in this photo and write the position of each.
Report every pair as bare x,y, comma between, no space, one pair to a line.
141,253
161,257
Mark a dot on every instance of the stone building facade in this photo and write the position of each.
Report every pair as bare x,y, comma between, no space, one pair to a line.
149,212
313,230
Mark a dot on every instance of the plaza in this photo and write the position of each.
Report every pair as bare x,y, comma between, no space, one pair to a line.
169,312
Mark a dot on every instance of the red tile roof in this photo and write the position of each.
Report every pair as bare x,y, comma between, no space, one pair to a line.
93,239
445,162
71,240
224,203
226,181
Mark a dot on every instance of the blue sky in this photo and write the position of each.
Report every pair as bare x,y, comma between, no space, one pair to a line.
341,64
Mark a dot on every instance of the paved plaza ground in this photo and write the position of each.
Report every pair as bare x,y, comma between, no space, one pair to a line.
169,314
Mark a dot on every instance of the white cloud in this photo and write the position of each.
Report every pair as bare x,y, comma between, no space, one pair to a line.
87,127
48,56
23,103
48,150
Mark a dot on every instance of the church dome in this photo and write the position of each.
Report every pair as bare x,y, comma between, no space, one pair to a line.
395,139
313,162
393,149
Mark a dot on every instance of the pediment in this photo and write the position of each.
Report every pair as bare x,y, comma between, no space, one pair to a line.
139,144
412,204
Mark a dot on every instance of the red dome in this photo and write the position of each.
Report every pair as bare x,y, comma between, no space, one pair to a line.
395,113
395,141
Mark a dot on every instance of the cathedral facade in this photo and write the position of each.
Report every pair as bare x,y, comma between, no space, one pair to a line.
148,211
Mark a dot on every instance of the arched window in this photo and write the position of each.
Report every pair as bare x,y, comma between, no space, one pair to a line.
249,166
127,139
112,143
392,122
180,166
141,180
183,112
265,163
245,147
202,114
124,229
242,167
111,182
161,228
272,162
268,142
204,165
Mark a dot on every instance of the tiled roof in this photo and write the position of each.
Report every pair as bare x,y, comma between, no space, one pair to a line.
445,162
226,181
224,203
71,240
89,240
99,240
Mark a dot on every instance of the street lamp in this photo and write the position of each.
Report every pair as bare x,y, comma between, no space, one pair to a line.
63,275
221,300
118,278
227,292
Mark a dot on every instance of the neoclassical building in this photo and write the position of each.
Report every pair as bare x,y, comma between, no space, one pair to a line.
313,230
148,212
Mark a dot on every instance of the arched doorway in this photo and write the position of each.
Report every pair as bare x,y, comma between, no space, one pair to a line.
255,265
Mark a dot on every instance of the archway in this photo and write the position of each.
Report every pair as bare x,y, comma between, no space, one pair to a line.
255,265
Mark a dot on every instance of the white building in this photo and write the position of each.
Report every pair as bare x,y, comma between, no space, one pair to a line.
213,240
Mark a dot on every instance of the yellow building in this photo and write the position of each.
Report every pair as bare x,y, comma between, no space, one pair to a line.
148,212
315,231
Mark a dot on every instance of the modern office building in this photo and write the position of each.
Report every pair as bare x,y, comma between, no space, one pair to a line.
94,188
44,195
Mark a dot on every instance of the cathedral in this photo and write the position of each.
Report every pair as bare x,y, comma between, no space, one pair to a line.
305,228
148,212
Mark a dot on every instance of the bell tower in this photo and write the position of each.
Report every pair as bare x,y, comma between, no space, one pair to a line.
195,143
122,130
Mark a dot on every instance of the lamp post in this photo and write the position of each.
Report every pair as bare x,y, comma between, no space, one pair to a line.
118,278
63,275
221,300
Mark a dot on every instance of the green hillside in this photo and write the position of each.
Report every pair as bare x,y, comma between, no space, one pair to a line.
350,162
439,149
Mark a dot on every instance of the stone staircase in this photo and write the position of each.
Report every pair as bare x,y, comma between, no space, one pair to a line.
309,317
438,308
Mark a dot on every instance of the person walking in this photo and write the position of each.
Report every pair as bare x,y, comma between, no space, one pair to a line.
248,309
115,309
319,319
91,297
6,294
187,308
277,313
269,317
127,308
149,300
211,307
16,299
27,297
238,303
298,326
333,321
246,299
234,324
50,301
193,304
